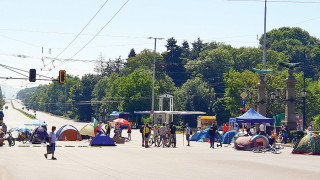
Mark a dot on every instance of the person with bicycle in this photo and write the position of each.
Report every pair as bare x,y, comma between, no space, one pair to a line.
156,135
162,132
172,134
146,134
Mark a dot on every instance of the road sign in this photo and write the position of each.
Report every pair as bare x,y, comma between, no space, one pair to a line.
243,102
243,95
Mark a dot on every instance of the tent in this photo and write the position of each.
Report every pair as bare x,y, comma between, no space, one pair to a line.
251,116
68,133
102,140
88,130
39,135
199,136
308,145
228,136
247,143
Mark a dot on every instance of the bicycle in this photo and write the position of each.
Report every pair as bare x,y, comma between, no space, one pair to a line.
154,140
172,141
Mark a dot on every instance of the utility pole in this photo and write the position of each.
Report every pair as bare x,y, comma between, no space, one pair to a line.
153,76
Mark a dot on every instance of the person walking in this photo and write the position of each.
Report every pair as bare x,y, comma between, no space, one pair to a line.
52,143
129,132
188,134
162,132
212,134
146,133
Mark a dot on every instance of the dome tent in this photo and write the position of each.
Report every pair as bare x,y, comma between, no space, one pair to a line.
199,136
247,143
38,135
228,136
102,140
68,133
309,144
88,130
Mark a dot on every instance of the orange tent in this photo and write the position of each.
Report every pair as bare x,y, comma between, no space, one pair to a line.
68,133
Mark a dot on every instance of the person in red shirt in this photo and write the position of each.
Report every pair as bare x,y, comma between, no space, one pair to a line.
224,128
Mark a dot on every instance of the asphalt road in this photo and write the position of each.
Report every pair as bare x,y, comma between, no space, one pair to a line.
131,161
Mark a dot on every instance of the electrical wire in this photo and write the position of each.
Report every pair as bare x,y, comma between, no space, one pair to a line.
82,29
281,1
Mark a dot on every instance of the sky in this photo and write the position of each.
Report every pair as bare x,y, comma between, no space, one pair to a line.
28,26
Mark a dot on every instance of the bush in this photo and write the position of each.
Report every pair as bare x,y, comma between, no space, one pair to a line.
146,120
295,133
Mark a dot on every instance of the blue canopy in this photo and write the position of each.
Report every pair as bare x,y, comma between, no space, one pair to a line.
22,129
252,116
102,140
115,113
35,123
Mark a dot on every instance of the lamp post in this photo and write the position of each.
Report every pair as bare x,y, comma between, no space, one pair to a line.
153,75
304,95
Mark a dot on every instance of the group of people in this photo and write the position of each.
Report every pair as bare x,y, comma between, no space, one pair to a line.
163,134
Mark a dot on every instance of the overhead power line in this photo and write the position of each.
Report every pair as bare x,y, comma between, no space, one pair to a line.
82,29
282,1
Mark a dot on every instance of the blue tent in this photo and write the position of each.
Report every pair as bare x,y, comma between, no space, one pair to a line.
251,116
102,140
228,136
39,135
199,136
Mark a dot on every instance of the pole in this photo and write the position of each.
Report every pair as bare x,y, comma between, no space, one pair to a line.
304,87
65,98
153,78
265,35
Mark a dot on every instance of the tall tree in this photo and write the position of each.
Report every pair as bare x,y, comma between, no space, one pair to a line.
132,53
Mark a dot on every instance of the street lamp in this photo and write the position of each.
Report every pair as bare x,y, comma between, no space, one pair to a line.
278,93
273,96
153,75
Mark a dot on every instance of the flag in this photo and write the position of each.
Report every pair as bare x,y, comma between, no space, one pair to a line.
95,127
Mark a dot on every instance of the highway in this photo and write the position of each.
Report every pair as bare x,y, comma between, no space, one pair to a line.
131,161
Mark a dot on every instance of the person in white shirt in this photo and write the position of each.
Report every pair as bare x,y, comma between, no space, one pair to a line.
163,131
52,142
262,129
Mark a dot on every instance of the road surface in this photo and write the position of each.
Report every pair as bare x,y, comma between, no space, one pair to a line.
131,161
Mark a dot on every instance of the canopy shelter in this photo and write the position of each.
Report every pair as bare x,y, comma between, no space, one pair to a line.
251,116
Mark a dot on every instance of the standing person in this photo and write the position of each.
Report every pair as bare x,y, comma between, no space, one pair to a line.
173,134
141,131
212,134
52,142
299,128
167,133
4,128
156,135
108,128
163,131
188,133
285,133
224,128
262,129
146,133
129,132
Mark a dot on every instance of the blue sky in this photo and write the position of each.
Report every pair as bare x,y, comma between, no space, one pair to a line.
28,25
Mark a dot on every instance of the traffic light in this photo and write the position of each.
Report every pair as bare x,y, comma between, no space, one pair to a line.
243,110
32,75
62,76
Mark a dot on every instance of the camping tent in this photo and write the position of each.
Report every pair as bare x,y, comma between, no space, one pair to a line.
39,135
247,143
199,136
251,116
88,130
68,133
228,136
309,144
102,140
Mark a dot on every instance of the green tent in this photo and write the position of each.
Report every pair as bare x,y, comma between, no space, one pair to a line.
308,145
